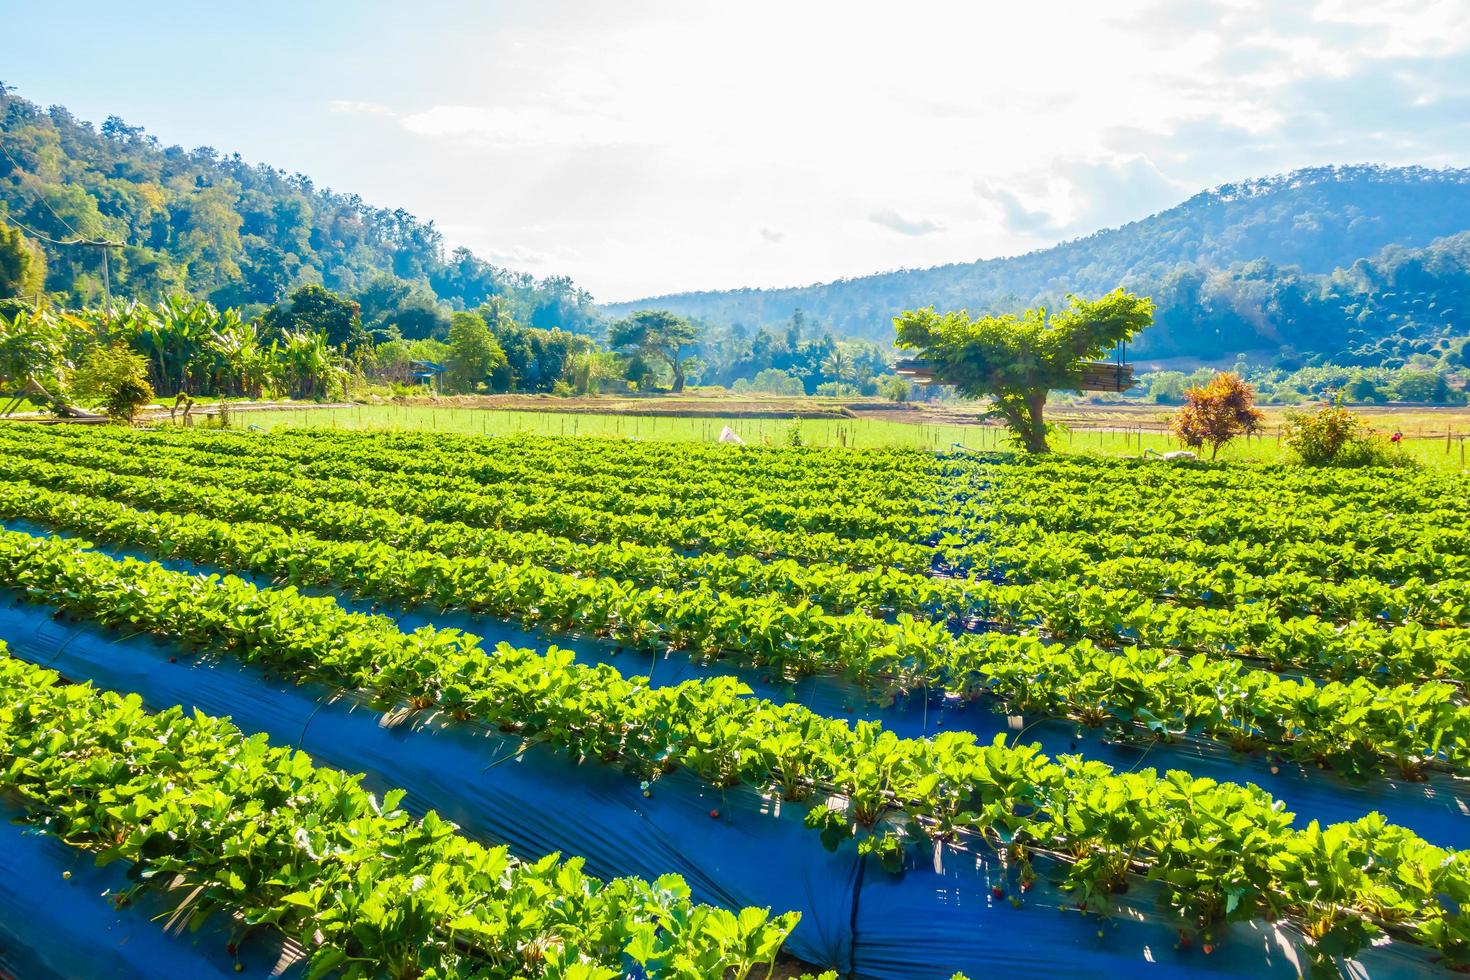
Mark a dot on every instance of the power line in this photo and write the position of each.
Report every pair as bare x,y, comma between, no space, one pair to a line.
102,243
39,196
96,242
36,234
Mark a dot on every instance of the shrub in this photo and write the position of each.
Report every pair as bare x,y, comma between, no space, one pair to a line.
115,378
774,381
1334,436
837,389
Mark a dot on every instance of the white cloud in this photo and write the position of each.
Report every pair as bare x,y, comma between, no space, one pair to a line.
518,257
524,126
360,108
633,146
891,219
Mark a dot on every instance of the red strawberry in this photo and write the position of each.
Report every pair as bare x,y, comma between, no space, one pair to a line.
1208,948
997,891
714,814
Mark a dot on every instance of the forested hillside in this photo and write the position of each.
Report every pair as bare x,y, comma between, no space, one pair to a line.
1300,262
1341,265
214,226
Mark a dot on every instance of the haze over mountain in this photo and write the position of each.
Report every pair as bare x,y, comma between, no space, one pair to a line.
1289,262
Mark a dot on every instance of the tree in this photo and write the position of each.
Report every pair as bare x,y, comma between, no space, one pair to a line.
22,265
1018,360
895,388
1362,389
1165,386
658,335
312,309
116,378
1422,386
838,365
1217,413
473,352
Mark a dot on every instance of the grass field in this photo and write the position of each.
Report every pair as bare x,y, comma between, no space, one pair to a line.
1435,452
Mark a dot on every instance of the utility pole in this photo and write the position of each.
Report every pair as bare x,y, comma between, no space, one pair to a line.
106,246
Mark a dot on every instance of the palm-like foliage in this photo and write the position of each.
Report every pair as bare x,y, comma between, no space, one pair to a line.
305,366
35,354
239,365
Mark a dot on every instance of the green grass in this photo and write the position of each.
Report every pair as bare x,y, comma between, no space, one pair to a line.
853,433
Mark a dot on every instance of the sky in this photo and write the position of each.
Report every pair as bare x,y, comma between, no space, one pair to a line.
650,147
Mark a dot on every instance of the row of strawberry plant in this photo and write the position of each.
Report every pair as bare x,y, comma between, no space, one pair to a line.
1216,523
704,615
1219,851
1407,492
255,830
1031,552
894,472
1410,491
834,587
699,532
1438,600
896,497
875,513
1356,727
1089,500
988,556
1271,628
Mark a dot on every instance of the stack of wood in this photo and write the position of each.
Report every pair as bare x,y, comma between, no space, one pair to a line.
1096,375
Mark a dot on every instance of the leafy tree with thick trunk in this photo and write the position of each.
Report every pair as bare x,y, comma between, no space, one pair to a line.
656,335
1018,360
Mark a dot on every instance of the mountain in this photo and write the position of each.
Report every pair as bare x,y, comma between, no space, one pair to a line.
214,226
1215,264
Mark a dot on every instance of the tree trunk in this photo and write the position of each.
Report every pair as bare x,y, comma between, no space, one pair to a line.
1035,431
69,411
678,376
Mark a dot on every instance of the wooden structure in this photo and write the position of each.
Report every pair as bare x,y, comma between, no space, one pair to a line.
1096,375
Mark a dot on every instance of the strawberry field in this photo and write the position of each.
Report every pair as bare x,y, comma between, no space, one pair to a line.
683,710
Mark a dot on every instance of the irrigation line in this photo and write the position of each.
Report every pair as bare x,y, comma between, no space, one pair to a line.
528,744
320,703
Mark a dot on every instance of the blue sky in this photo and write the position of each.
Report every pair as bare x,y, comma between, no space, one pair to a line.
646,147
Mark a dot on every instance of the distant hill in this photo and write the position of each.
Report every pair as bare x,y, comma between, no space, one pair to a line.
1261,263
218,227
